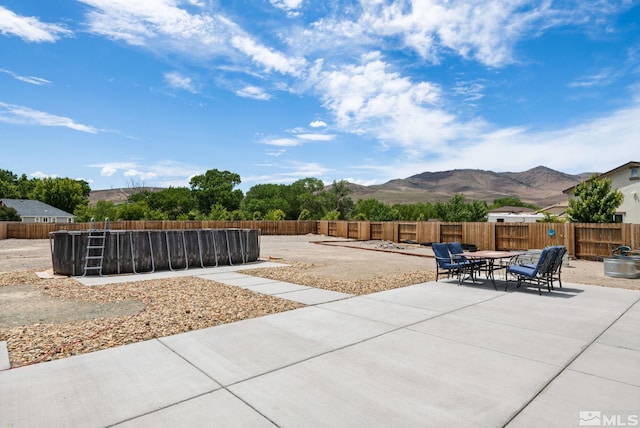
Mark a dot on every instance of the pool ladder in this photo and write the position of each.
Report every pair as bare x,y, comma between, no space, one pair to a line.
95,247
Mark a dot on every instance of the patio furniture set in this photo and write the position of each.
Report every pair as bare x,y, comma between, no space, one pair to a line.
454,262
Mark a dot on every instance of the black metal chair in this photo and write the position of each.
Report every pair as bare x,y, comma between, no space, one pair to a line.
539,273
451,266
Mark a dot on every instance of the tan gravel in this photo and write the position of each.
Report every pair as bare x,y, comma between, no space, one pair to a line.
45,319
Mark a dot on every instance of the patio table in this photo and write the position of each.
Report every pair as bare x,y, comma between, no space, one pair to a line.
492,258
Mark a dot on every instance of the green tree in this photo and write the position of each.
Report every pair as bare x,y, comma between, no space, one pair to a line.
100,211
303,195
216,187
374,210
175,202
275,215
457,210
63,193
511,201
337,199
9,214
133,211
263,198
594,201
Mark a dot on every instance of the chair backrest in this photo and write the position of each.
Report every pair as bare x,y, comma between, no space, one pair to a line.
455,247
543,259
557,263
441,251
546,261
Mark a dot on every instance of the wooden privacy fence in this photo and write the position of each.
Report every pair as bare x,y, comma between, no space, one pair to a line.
592,241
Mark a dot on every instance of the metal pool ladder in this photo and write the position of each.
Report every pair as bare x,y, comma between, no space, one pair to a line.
95,247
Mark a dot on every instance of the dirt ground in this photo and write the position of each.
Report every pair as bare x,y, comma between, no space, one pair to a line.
44,318
330,258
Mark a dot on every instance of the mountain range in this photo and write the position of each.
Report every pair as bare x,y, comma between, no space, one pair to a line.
540,186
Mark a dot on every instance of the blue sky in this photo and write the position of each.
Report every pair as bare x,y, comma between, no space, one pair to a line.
123,93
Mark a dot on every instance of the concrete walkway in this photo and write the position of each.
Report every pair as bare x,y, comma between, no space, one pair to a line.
433,354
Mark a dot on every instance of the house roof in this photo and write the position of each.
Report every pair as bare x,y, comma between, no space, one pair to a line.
512,210
558,209
32,208
633,164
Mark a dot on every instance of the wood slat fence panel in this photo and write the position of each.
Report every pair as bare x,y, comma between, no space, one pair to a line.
590,241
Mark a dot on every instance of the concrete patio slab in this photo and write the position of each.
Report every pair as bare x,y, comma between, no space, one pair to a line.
525,343
234,352
94,280
597,361
377,310
247,281
314,296
277,288
403,378
219,408
624,332
99,388
582,316
573,395
4,356
437,296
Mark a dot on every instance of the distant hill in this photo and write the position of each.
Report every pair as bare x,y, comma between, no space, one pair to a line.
117,196
540,186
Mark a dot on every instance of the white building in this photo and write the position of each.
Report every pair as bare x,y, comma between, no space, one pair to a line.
32,211
626,179
513,215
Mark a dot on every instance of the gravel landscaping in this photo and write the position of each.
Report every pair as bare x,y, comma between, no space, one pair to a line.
43,319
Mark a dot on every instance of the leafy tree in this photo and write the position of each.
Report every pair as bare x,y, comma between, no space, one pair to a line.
415,212
550,218
457,209
374,210
263,198
337,199
133,211
9,214
332,215
275,215
14,187
511,201
99,212
305,214
175,202
216,187
303,195
63,193
218,213
594,201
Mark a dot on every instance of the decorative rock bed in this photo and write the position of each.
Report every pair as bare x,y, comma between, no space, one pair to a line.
141,251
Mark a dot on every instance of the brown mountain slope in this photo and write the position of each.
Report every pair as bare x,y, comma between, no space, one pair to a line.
541,186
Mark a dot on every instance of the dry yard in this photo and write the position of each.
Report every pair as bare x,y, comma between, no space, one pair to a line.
43,319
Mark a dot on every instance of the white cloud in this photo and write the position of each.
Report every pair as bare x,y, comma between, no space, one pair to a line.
161,24
19,115
282,142
368,99
316,137
268,58
290,6
27,79
253,92
317,124
179,81
40,174
161,172
30,29
293,171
